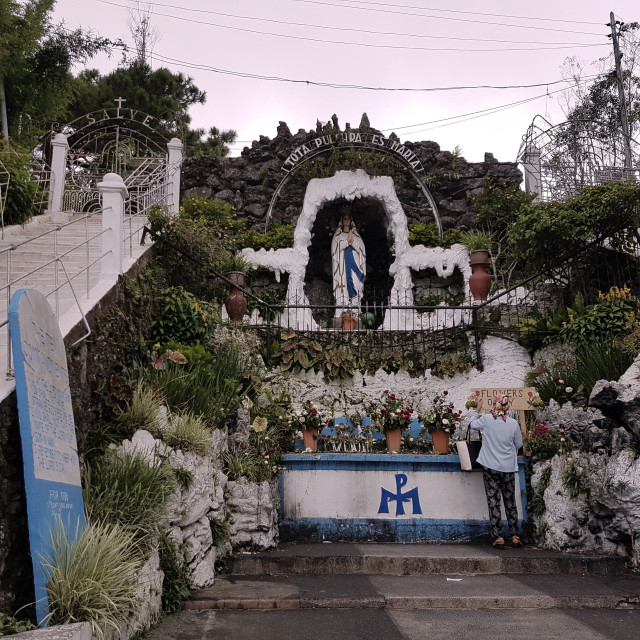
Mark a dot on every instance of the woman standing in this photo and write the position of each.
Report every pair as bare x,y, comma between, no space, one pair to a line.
501,439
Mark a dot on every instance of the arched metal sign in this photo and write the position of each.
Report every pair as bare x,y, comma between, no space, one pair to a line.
349,139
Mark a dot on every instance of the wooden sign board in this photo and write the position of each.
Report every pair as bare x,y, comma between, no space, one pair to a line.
522,398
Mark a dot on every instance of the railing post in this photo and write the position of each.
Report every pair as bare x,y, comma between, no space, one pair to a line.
59,149
174,164
113,193
532,171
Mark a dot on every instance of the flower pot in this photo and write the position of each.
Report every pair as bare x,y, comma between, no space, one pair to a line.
440,441
310,437
479,280
394,440
477,256
236,278
348,324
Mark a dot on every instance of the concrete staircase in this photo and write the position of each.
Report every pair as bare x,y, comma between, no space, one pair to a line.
75,239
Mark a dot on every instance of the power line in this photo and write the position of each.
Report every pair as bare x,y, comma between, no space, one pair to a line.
333,85
422,15
472,13
349,29
348,43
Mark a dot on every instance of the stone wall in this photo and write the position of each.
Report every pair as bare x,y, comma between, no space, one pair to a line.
249,181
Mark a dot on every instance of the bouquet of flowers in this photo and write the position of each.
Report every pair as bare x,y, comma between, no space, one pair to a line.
391,413
311,417
441,415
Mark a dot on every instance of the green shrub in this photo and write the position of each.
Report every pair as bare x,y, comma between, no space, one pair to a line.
22,192
181,317
278,236
219,531
173,561
195,354
213,392
10,625
614,316
214,212
428,235
536,505
184,478
92,577
125,490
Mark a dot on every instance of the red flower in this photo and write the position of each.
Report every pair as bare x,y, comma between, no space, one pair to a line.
445,393
314,412
393,396
555,378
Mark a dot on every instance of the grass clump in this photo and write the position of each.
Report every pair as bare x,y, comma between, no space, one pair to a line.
141,412
125,490
188,432
92,577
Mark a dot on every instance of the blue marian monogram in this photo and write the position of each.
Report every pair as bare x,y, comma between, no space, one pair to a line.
399,497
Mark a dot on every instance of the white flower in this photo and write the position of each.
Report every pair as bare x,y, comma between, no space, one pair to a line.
560,381
445,421
569,389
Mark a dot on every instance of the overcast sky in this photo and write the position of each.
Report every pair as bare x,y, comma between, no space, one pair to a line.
403,44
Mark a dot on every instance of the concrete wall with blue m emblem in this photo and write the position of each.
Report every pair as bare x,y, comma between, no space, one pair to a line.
404,498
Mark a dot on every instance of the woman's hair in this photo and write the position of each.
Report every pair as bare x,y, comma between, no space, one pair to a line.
500,406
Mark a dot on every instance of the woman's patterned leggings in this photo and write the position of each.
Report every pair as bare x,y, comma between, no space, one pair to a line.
495,484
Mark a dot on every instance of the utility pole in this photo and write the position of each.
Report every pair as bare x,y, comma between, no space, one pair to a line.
624,118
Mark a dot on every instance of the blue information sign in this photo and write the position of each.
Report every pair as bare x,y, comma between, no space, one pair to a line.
47,429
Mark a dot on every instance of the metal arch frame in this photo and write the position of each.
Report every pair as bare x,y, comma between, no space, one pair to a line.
596,156
318,152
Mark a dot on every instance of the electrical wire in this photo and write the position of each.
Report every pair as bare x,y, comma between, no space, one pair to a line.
349,29
422,15
472,13
358,44
333,85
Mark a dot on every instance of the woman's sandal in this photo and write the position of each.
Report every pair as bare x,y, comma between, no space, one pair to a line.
498,543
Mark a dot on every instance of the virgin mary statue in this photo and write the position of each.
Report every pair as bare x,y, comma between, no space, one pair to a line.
348,260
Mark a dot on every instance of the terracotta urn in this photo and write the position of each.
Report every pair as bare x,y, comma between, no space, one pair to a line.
479,280
236,303
394,440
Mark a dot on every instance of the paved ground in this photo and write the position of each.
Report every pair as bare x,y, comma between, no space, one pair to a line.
385,624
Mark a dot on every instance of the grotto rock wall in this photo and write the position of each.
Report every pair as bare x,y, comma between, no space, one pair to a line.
250,180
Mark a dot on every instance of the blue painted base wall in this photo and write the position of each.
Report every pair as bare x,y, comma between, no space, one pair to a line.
340,497
361,530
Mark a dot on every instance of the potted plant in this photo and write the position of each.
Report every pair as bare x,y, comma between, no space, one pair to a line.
391,416
478,244
234,267
440,421
311,421
349,319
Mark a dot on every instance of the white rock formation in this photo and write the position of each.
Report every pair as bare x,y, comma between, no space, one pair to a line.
253,510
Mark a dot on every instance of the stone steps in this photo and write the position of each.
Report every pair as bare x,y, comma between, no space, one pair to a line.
420,577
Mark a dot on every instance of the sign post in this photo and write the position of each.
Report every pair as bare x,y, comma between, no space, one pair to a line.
47,430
